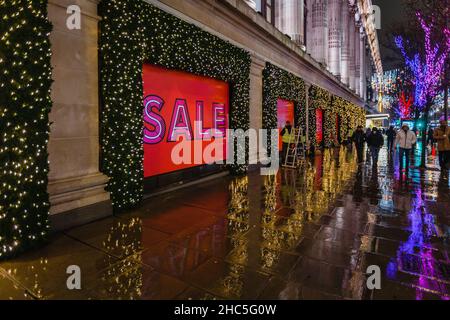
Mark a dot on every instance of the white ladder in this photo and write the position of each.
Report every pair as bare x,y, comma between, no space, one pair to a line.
293,156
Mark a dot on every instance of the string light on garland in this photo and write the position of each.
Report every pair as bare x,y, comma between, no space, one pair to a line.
350,116
280,84
25,80
319,99
339,107
134,32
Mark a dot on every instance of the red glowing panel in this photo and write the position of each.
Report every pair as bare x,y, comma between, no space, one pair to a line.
285,112
319,126
179,106
337,127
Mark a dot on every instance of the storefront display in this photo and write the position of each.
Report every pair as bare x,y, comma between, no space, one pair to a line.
181,107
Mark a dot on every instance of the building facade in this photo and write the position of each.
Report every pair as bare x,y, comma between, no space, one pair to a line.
321,44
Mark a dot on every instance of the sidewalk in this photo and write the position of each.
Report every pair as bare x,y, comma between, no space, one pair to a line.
308,234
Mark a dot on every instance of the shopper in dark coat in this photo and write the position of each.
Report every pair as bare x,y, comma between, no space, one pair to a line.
430,137
358,139
375,141
391,133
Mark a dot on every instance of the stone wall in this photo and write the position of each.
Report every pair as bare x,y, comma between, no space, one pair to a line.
75,179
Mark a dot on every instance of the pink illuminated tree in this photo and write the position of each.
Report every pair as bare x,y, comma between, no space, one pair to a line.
427,68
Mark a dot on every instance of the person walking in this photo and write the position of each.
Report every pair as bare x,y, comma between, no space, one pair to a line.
366,137
368,133
375,143
405,139
348,141
358,139
430,135
442,136
390,133
287,136
349,135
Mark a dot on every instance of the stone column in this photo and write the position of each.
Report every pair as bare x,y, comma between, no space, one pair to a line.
256,99
345,48
289,19
317,24
251,3
362,69
351,65
74,177
357,61
307,86
334,36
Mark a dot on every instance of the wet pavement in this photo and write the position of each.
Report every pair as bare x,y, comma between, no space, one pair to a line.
306,234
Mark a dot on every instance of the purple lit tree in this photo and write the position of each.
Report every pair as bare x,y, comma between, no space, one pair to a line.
427,69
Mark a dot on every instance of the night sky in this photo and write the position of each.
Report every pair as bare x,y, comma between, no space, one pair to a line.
391,13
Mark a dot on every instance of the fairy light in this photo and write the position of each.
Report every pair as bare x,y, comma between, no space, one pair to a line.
427,70
404,106
134,32
25,103
281,84
351,115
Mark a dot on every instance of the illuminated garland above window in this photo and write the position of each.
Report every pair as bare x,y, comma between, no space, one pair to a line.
134,32
319,99
350,115
280,84
25,103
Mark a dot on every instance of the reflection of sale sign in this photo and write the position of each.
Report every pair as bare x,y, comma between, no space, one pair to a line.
285,112
319,125
179,106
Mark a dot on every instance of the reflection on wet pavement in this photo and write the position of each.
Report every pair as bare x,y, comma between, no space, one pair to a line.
305,234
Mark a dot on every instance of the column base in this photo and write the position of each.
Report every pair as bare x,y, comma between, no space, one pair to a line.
73,193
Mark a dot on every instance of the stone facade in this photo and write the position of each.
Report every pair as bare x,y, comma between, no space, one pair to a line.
345,48
75,178
335,36
289,19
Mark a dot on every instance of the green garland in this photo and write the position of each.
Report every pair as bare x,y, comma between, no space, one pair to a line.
25,103
339,105
350,115
320,99
134,32
280,84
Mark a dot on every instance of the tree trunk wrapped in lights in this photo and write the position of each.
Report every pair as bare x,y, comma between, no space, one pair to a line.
427,69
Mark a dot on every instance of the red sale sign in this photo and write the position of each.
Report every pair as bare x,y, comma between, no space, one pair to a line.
285,112
319,125
179,106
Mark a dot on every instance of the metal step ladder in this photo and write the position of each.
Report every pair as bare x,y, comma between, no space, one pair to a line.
296,149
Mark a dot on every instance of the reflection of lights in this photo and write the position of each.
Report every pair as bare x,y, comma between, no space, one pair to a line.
233,283
124,280
238,224
309,193
418,248
302,196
